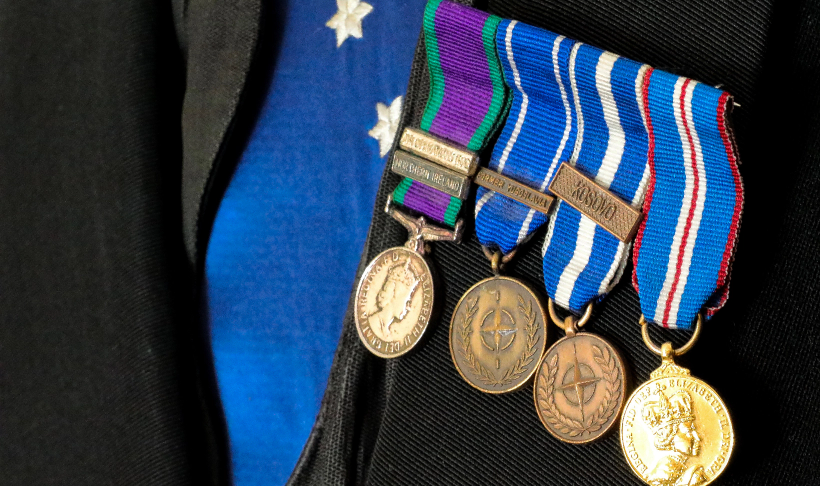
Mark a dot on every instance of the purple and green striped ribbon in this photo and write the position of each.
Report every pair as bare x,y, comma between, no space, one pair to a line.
467,94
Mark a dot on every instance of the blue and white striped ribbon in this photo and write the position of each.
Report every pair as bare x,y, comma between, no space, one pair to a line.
539,132
573,102
685,246
582,261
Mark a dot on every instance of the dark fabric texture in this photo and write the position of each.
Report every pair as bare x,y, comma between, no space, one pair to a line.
94,372
218,40
413,420
226,50
105,374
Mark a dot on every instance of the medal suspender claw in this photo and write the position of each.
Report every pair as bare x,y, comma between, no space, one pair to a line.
395,297
675,428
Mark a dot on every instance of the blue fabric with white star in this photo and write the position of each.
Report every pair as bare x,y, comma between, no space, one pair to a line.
291,227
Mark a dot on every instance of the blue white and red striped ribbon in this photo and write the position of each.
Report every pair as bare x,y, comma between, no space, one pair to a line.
583,261
630,128
686,242
539,132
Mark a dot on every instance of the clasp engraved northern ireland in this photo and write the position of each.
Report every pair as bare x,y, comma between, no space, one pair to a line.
422,170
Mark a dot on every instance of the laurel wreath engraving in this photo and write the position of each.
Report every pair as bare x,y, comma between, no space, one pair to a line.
570,426
520,367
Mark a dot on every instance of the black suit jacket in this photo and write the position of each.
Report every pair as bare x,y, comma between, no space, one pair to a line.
120,124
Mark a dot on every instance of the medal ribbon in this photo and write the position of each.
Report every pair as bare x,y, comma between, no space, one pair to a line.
467,94
583,261
686,242
571,102
539,133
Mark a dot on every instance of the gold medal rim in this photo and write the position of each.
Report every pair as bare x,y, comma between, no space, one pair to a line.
624,384
543,344
358,292
714,393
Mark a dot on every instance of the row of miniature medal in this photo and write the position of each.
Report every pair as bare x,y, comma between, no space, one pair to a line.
580,381
674,428
486,348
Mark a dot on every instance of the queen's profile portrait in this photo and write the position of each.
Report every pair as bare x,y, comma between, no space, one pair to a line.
394,298
672,424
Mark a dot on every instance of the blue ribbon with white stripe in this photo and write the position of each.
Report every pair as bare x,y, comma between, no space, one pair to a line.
571,102
686,242
583,261
538,135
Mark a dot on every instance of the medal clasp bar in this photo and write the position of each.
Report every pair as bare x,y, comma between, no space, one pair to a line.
419,230
422,170
437,150
593,201
514,190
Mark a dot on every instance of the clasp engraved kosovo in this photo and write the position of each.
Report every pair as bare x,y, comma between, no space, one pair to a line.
593,201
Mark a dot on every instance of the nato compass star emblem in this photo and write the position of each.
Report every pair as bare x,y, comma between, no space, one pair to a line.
348,20
579,384
500,329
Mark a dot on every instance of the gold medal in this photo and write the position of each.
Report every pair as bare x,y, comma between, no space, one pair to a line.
394,298
498,334
580,386
675,429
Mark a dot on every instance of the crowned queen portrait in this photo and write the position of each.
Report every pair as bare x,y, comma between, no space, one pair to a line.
394,299
672,424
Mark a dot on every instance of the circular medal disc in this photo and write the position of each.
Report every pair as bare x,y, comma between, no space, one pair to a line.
497,335
676,430
579,388
394,301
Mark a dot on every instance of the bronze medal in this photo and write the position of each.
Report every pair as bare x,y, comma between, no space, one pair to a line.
497,335
675,428
394,298
580,386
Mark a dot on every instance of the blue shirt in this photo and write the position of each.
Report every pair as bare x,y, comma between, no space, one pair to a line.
289,232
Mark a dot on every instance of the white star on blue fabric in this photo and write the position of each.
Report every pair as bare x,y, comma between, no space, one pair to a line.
348,20
387,126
